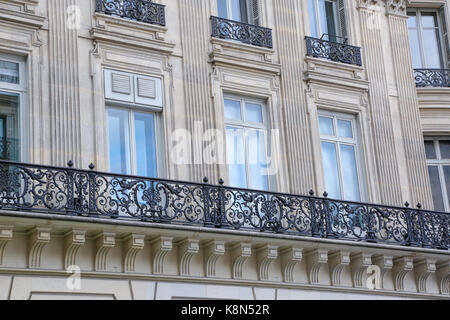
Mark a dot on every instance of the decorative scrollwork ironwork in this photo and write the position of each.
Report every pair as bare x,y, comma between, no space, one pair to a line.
243,32
69,191
139,10
432,78
334,51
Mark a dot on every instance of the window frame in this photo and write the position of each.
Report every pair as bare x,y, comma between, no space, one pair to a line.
245,126
440,163
338,141
318,22
419,28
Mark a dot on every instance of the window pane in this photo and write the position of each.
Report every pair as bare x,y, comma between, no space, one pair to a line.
312,18
326,126
236,157
447,181
253,112
415,48
236,10
345,129
436,188
9,127
9,72
444,145
257,160
327,19
349,173
430,150
429,20
432,48
222,8
119,141
232,109
144,127
330,168
412,20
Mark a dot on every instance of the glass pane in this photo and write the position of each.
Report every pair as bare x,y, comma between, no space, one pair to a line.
429,20
222,9
345,129
9,72
430,150
330,168
9,127
436,188
349,173
327,19
232,109
312,18
144,127
235,10
326,126
119,141
447,182
412,20
432,48
257,160
236,157
253,112
415,48
444,145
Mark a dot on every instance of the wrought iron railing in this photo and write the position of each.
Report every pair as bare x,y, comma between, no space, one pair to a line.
9,149
334,51
139,10
243,32
432,77
74,192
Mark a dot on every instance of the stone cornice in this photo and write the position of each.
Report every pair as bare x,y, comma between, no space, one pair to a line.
393,7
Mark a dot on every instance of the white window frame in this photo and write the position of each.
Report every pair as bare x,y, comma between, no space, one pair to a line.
318,21
245,125
355,142
21,90
440,163
418,12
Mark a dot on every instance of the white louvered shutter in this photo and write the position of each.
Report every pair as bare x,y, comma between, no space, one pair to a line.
342,25
119,86
445,35
148,91
253,12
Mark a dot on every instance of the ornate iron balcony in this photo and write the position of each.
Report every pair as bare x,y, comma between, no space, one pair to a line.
139,10
72,192
9,149
243,32
432,78
334,51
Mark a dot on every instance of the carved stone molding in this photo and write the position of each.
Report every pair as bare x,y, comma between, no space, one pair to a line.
422,270
402,266
37,240
359,264
186,251
264,257
239,254
368,4
6,235
132,246
385,263
396,7
73,241
213,251
443,277
160,247
289,259
105,242
315,260
337,262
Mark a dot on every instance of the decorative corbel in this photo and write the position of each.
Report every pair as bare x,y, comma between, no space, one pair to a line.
160,247
289,259
337,262
239,254
73,241
213,251
385,263
443,277
105,242
37,240
359,264
315,260
186,251
133,244
422,271
6,235
402,266
264,257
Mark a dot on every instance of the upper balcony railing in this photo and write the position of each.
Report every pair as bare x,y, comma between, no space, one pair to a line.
138,10
439,78
243,32
72,192
334,51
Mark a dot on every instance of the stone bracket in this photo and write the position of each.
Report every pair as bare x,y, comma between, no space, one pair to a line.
132,246
239,254
359,264
443,277
385,263
422,270
264,257
213,251
37,240
289,259
73,241
186,251
105,242
337,262
161,246
6,235
315,260
402,266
